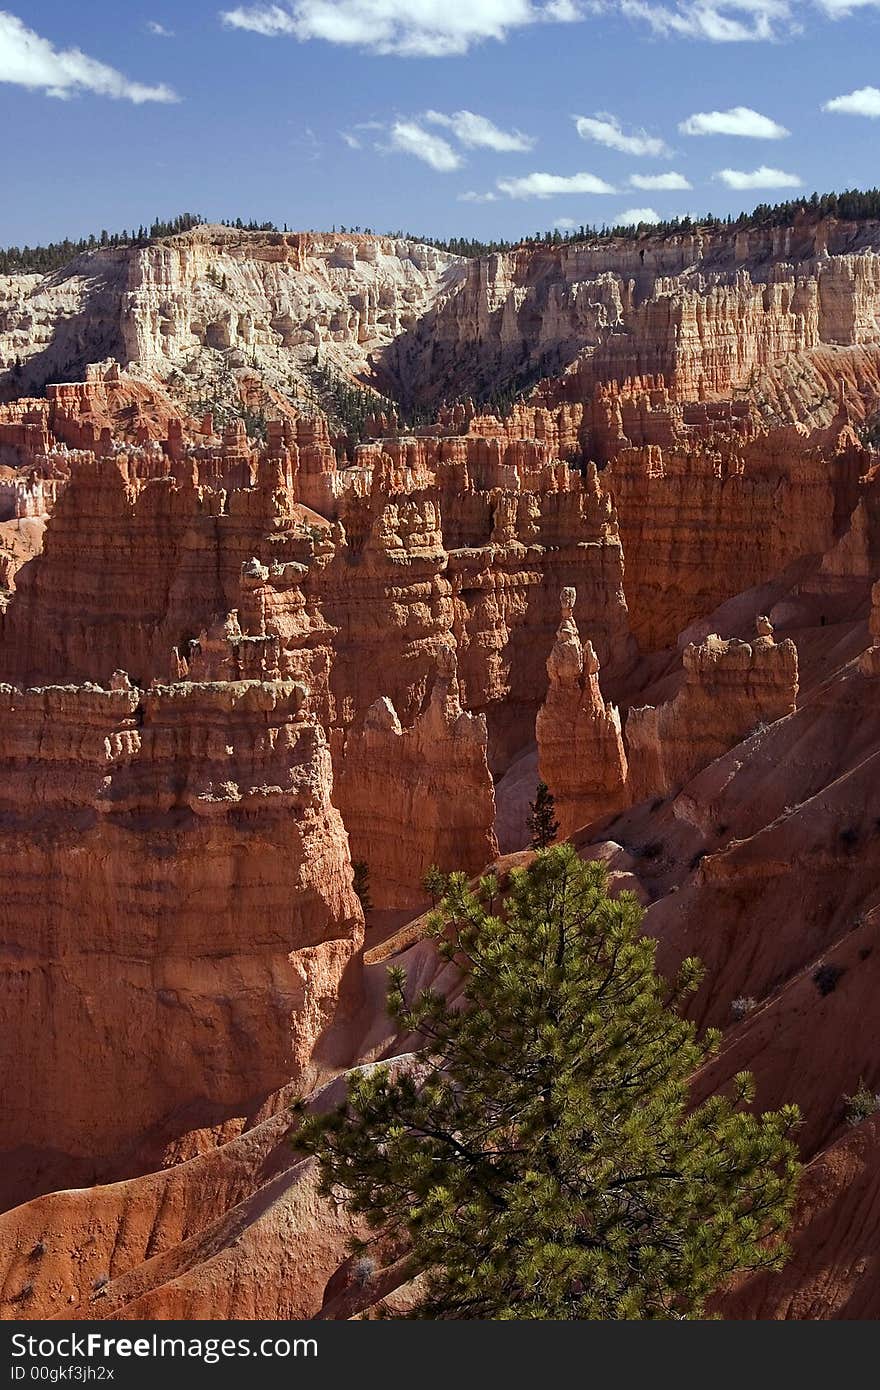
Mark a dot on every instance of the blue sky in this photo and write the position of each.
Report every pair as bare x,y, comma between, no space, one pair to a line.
438,117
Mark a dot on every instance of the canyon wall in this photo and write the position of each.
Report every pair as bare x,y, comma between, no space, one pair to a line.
179,925
730,689
235,662
698,527
290,682
709,310
713,310
417,797
231,298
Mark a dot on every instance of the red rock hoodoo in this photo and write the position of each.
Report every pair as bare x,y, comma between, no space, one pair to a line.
580,747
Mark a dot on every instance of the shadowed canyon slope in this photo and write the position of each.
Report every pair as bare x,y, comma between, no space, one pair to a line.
233,664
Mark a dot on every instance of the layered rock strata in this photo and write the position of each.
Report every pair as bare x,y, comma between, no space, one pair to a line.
730,689
180,936
416,797
179,923
709,310
231,298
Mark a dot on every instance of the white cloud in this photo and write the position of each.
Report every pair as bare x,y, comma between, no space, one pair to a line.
865,101
410,138
759,178
565,224
659,183
718,21
607,130
352,137
633,216
548,185
839,9
739,120
478,131
440,28
27,60
731,21
410,28
159,29
477,198
306,139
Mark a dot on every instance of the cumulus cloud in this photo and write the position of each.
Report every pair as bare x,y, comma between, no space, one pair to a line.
477,198
159,30
633,216
548,185
659,183
27,60
410,28
476,131
739,120
606,129
758,178
565,224
408,137
865,101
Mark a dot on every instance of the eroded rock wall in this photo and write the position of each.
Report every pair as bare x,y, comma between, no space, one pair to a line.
708,310
730,689
179,924
417,797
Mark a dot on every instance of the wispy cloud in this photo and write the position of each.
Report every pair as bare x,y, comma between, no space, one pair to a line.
159,30
739,120
409,28
732,21
306,139
477,197
565,224
659,183
759,178
27,60
408,137
476,131
718,21
353,137
839,9
634,216
549,185
606,129
865,101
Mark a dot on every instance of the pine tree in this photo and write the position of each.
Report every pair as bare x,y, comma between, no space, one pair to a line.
361,883
434,884
541,820
545,1160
